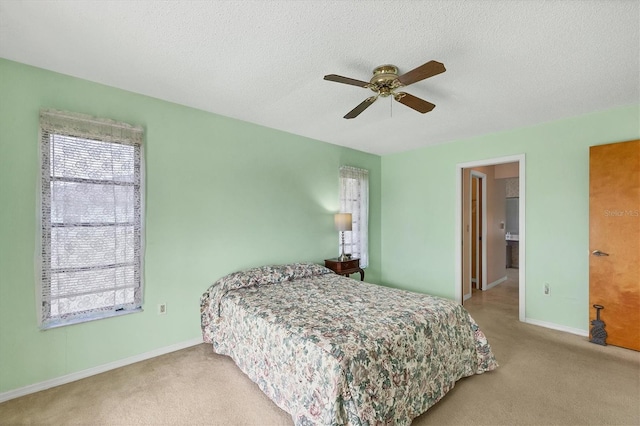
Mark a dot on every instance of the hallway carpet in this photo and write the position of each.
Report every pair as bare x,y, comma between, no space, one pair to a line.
545,377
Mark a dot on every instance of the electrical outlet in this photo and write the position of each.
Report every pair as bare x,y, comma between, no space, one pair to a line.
547,289
162,308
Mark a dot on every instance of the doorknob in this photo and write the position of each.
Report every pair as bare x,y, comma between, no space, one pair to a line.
599,253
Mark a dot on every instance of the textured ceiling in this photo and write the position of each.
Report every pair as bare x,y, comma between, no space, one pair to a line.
509,63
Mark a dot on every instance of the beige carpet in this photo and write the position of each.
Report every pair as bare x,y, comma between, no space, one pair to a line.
545,377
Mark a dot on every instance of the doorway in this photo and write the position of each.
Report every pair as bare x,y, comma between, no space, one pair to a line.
461,231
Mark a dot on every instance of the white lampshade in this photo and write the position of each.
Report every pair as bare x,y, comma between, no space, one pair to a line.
343,221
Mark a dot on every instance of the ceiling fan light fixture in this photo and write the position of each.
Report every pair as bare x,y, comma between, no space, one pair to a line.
385,80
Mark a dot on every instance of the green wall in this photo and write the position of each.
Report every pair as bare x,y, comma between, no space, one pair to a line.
221,195
418,210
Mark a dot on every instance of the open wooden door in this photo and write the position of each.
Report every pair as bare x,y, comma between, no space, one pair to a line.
614,240
474,232
477,210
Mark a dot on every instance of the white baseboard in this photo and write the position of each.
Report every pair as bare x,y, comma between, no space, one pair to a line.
558,327
68,378
467,296
496,282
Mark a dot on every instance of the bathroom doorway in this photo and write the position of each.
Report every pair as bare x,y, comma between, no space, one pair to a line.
491,263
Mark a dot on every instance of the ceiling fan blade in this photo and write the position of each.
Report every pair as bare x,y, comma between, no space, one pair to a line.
363,105
411,101
427,70
346,80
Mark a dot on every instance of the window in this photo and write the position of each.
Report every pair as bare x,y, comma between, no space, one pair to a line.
354,199
90,251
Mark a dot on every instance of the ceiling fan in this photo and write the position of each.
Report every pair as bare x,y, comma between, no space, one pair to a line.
385,81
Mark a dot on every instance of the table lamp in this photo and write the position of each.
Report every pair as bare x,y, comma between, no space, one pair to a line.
343,223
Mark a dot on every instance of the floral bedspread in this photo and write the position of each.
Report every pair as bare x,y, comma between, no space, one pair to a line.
331,350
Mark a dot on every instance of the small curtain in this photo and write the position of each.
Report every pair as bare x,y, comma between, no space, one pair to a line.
91,214
354,199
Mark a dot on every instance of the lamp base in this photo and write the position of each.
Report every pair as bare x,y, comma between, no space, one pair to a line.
343,258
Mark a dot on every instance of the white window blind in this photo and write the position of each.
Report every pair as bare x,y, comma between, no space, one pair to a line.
91,206
354,199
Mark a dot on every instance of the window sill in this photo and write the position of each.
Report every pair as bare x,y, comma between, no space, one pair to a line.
89,318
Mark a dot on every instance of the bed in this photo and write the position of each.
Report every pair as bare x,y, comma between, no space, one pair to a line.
331,350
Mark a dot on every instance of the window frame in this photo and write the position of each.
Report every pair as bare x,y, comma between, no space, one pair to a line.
356,202
81,127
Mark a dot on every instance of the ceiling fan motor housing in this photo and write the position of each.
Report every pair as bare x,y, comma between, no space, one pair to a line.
384,80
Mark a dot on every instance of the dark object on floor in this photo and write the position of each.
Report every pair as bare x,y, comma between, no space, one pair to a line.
598,333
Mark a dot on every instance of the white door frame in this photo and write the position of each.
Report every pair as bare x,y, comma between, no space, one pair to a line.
482,250
520,159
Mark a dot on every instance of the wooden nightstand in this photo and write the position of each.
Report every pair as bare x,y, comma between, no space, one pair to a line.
345,268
